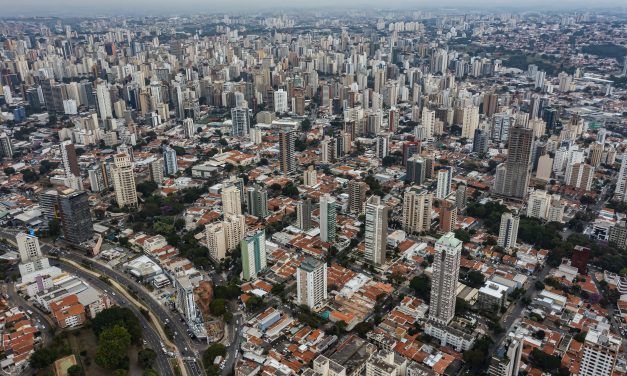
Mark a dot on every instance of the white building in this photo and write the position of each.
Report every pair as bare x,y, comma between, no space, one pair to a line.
311,283
600,350
376,230
508,232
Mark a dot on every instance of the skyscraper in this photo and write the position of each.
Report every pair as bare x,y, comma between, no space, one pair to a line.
286,151
480,142
170,166
518,164
240,117
506,359
310,176
416,170
508,231
376,230
216,240
155,168
253,250
417,210
75,216
31,258
231,200
124,180
600,350
356,196
69,158
460,196
445,178
103,101
6,146
303,214
448,217
328,218
311,282
621,183
257,201
445,274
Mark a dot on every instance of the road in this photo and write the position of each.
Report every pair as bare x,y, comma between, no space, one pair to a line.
190,358
233,348
162,364
513,314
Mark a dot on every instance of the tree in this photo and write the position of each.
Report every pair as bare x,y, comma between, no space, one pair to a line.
217,307
363,328
113,344
475,278
215,350
29,176
146,358
290,190
305,125
118,316
147,187
120,372
9,170
422,286
75,370
462,235
150,372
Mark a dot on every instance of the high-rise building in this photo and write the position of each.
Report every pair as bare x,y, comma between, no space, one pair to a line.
508,231
410,148
328,218
416,170
216,240
621,182
376,230
448,217
596,153
31,258
304,208
356,196
257,201
445,178
253,250
600,350
445,274
382,145
310,177
581,176
518,164
386,363
240,117
545,167
480,142
231,200
103,101
75,216
417,210
506,358
580,259
69,158
618,235
470,121
461,198
155,168
234,229
280,101
6,146
311,282
124,180
170,166
287,161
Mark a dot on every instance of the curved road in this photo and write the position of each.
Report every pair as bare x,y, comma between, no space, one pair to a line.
162,364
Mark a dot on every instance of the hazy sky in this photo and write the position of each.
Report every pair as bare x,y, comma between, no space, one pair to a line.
121,7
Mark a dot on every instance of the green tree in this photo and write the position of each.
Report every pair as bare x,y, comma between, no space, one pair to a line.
146,358
215,350
75,370
475,278
113,344
118,316
150,372
422,286
217,307
9,170
120,372
29,176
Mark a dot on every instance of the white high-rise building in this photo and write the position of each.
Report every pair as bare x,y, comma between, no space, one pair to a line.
240,116
231,200
470,121
600,350
508,232
311,283
428,123
621,183
216,240
280,101
376,230
328,218
31,258
445,274
445,178
234,229
103,101
124,180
